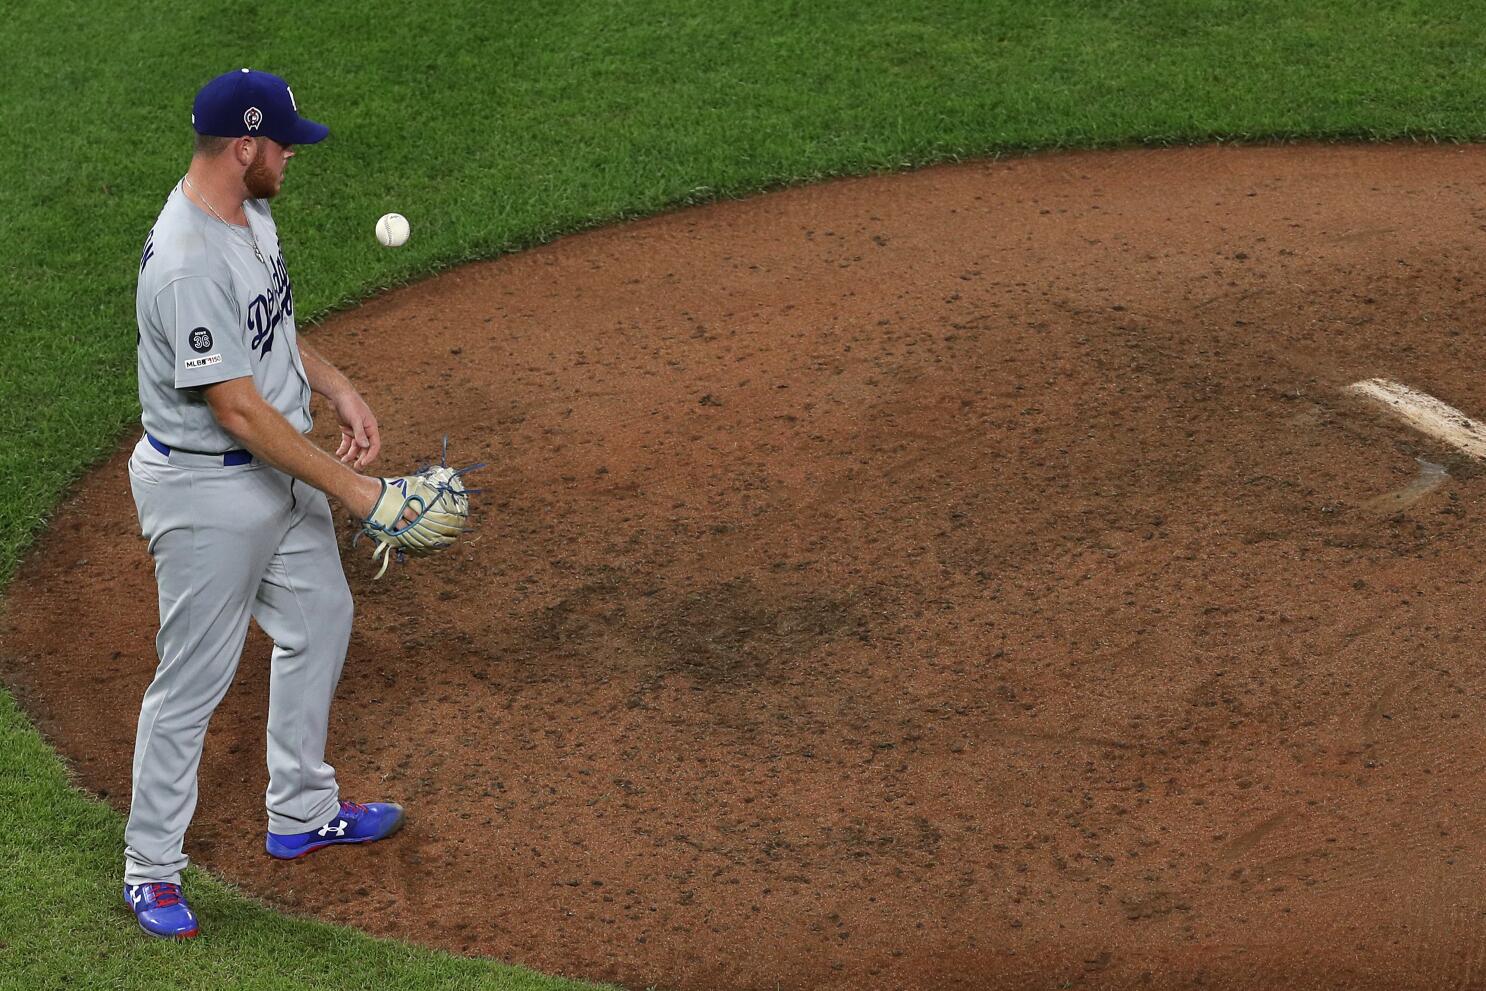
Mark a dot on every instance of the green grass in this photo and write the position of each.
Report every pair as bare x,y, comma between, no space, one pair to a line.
62,923
498,126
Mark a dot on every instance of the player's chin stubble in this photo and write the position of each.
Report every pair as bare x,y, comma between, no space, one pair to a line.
262,184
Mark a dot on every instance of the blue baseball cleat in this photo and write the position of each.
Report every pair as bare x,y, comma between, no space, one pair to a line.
161,910
355,824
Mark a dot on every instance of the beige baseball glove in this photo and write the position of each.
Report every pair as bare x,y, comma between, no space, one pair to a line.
419,514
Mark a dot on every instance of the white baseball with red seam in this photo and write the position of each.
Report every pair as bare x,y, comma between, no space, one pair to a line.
393,230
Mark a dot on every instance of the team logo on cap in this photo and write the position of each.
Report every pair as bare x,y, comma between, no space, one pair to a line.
253,117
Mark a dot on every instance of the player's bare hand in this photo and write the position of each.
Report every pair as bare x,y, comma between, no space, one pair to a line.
361,441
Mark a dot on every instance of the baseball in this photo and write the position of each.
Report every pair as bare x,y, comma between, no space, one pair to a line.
393,230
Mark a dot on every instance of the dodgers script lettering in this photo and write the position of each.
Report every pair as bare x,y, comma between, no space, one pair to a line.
267,310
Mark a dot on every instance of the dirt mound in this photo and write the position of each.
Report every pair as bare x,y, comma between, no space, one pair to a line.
971,578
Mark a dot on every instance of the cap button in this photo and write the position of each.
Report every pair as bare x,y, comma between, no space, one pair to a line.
245,70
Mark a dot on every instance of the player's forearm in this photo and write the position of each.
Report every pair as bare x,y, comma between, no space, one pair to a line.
261,429
274,440
324,377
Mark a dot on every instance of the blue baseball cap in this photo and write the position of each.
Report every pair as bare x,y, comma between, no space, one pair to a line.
253,104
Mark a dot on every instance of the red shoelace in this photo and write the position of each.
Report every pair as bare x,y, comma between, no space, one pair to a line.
353,808
164,895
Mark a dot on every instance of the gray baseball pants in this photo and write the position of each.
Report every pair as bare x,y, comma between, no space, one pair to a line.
230,543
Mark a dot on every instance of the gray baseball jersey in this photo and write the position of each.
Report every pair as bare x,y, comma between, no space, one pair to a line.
209,311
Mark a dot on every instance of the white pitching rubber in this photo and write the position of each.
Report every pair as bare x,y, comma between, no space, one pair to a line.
1426,414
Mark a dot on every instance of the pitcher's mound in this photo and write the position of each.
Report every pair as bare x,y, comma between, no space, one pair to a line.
971,578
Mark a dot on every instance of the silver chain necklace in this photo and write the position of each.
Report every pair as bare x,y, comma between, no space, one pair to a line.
251,240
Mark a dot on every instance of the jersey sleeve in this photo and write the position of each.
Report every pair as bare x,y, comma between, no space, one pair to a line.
201,321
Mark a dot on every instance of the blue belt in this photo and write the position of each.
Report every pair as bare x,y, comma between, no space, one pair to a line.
230,459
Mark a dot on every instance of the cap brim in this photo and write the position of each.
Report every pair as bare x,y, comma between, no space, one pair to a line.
307,132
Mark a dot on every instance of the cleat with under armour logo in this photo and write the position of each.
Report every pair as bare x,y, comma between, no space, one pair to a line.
161,910
354,824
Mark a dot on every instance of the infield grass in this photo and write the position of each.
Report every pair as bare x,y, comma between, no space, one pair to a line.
494,127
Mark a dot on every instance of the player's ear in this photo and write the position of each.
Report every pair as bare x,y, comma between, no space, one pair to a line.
244,148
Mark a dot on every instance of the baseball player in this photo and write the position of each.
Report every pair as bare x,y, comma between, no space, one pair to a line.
231,496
